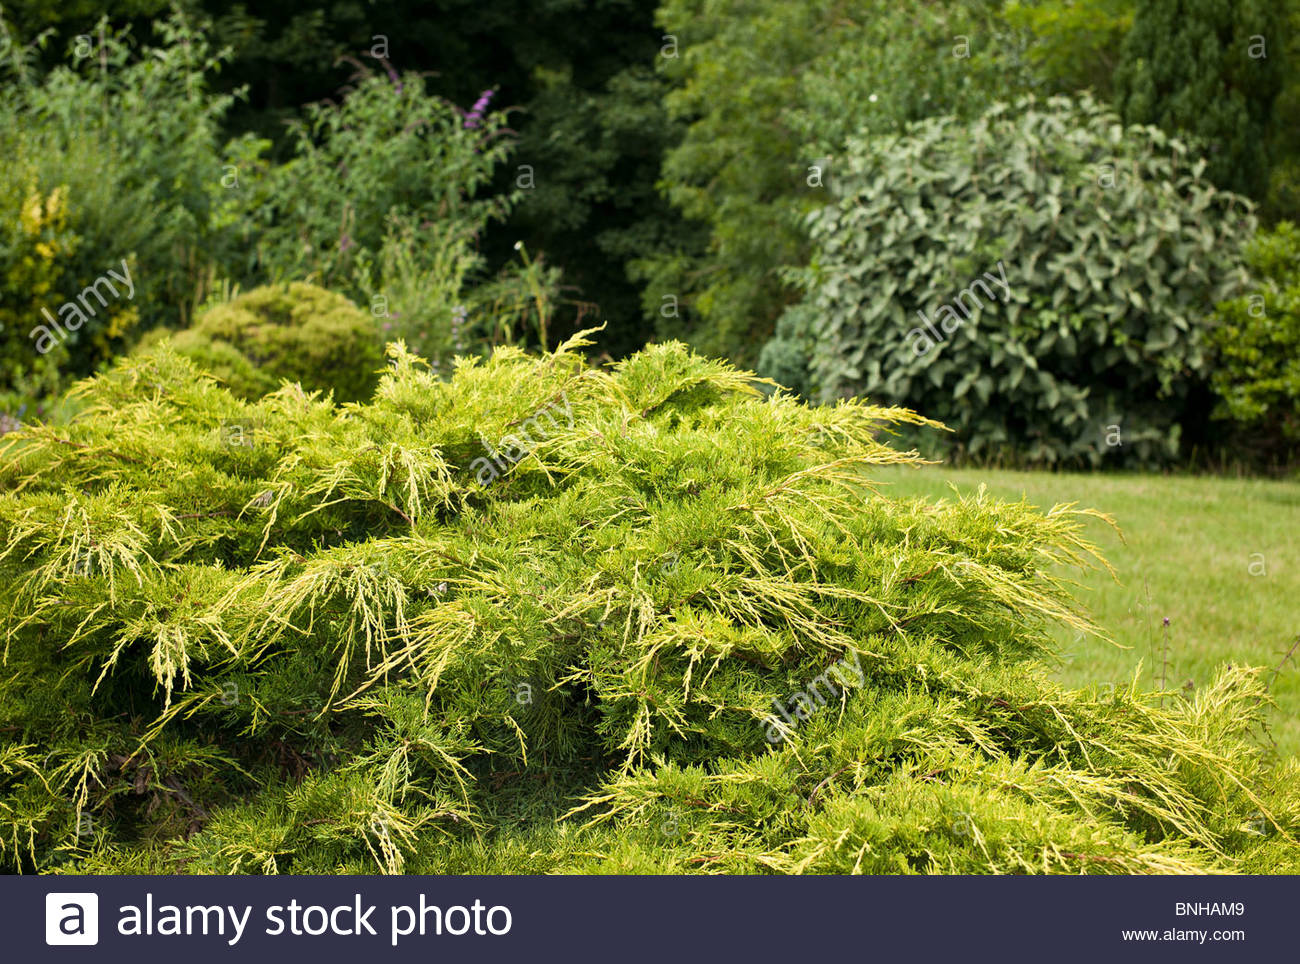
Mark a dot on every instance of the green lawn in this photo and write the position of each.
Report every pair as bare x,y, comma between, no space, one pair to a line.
1219,557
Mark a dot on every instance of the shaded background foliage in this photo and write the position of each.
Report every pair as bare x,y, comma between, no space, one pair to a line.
1202,66
654,157
579,75
1257,373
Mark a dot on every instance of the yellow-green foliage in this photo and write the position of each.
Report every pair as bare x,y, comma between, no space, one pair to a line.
44,264
298,332
541,617
33,248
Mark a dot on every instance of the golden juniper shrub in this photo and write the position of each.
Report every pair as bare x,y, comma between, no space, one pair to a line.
545,617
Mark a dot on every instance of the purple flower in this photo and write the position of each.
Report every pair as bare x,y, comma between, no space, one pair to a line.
345,242
476,112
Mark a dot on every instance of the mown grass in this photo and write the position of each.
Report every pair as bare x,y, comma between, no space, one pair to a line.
1219,557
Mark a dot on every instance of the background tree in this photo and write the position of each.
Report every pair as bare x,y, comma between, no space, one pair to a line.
1075,44
1283,201
768,89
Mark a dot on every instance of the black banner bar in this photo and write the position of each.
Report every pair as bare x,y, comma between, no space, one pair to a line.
662,919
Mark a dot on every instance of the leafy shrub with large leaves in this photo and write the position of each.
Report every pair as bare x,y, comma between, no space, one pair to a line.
1114,250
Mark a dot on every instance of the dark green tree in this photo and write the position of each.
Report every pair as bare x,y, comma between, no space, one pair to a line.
1283,201
1211,68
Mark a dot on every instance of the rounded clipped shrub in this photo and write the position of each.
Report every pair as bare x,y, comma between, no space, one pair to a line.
1040,279
1257,340
542,617
296,332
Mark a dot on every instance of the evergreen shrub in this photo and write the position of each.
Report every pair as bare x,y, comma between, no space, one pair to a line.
1211,69
295,331
546,617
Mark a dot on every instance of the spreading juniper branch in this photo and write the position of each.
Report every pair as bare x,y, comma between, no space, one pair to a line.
546,617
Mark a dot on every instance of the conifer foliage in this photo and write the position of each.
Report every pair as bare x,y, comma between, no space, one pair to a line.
675,629
1211,68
